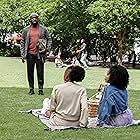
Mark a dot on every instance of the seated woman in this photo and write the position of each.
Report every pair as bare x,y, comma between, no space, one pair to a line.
68,105
58,62
113,108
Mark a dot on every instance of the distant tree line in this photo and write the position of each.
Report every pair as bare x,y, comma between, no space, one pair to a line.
102,23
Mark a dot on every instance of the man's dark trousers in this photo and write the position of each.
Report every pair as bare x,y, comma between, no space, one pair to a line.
31,61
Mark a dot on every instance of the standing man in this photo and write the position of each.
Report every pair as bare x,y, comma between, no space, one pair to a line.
32,36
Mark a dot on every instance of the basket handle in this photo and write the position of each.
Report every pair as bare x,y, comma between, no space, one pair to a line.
93,95
100,89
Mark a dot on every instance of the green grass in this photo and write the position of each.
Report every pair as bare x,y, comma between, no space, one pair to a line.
22,126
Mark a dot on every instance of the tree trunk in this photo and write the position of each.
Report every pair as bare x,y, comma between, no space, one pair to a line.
120,52
120,38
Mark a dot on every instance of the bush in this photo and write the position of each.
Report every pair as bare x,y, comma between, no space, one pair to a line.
10,51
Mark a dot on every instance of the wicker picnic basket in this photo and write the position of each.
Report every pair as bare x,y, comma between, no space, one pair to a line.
93,102
93,108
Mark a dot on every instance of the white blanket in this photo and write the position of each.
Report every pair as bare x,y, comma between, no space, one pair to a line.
92,122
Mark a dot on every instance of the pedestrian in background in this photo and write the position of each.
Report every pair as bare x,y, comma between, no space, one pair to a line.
83,53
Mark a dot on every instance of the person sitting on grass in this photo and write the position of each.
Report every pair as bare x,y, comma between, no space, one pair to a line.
113,107
58,62
68,104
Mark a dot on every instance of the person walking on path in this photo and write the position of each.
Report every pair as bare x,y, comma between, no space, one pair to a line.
34,37
83,53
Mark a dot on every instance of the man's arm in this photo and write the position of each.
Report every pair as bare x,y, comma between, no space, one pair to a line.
22,46
82,48
49,41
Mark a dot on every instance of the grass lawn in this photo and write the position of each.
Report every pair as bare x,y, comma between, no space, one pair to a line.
14,97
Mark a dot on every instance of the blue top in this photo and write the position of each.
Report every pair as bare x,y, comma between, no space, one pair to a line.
113,102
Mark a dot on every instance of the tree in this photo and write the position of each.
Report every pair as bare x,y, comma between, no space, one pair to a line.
115,18
69,20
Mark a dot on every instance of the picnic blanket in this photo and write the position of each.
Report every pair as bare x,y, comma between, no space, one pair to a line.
92,122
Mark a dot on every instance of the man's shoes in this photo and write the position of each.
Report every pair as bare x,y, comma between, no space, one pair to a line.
31,92
40,92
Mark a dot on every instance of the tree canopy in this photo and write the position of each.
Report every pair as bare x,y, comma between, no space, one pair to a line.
116,18
69,20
